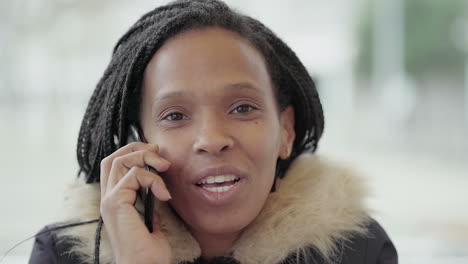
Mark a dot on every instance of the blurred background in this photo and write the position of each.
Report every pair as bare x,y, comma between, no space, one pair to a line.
392,74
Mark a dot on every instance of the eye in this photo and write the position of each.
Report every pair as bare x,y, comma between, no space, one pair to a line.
174,117
245,108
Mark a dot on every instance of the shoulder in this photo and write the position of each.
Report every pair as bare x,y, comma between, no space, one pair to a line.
375,247
48,249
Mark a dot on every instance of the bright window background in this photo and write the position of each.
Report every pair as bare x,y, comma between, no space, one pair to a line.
392,74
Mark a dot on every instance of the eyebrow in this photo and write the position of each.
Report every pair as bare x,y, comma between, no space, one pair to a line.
241,85
245,85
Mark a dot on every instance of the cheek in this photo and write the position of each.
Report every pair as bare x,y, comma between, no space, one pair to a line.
261,145
176,150
262,141
172,145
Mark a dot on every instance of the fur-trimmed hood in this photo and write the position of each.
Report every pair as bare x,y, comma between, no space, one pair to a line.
317,204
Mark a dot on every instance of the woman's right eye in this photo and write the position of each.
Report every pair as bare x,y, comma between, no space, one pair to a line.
174,117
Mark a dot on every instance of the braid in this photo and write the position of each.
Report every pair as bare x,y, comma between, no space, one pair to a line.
150,18
116,99
294,86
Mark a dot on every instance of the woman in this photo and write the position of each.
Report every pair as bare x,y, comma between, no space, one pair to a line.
231,118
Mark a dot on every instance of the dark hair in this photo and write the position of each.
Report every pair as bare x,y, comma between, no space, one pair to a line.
115,101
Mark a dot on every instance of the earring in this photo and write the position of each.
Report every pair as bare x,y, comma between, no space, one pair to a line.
288,152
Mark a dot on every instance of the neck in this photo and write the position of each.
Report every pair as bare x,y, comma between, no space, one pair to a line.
213,245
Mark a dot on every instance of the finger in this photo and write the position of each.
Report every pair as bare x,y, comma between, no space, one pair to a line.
104,175
138,178
122,165
106,163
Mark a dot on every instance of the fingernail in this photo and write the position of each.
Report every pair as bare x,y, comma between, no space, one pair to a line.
165,164
168,195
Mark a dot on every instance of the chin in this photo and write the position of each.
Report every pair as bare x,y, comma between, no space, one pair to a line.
222,226
219,222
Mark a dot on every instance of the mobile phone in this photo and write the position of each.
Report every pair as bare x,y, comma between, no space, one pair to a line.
135,133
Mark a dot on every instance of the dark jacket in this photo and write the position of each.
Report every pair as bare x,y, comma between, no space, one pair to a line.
376,248
315,216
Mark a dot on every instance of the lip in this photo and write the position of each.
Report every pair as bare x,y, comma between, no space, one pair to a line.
217,171
219,198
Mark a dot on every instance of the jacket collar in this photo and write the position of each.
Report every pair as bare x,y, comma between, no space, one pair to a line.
317,204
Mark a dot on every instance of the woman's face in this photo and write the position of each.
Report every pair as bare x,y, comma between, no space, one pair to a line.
209,104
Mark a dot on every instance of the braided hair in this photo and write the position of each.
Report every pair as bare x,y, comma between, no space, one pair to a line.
117,96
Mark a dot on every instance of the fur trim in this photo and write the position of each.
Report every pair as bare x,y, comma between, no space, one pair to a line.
317,204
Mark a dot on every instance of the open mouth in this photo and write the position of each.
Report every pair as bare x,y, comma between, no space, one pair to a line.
221,183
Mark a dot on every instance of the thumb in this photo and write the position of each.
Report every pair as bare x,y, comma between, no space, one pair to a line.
156,222
160,240
157,235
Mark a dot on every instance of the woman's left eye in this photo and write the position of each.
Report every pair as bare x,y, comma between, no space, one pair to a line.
174,116
245,108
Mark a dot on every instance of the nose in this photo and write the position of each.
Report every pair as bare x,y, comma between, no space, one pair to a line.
213,136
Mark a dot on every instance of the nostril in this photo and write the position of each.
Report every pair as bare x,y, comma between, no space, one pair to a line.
213,145
224,148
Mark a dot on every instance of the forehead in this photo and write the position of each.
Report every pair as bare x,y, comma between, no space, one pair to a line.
206,58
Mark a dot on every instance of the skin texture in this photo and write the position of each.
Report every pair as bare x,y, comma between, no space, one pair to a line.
207,102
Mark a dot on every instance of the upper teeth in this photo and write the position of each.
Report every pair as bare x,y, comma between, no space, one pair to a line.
217,179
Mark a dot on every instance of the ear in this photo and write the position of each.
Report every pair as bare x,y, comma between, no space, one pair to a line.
287,132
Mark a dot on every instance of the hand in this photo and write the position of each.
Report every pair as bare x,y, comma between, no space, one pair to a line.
122,175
